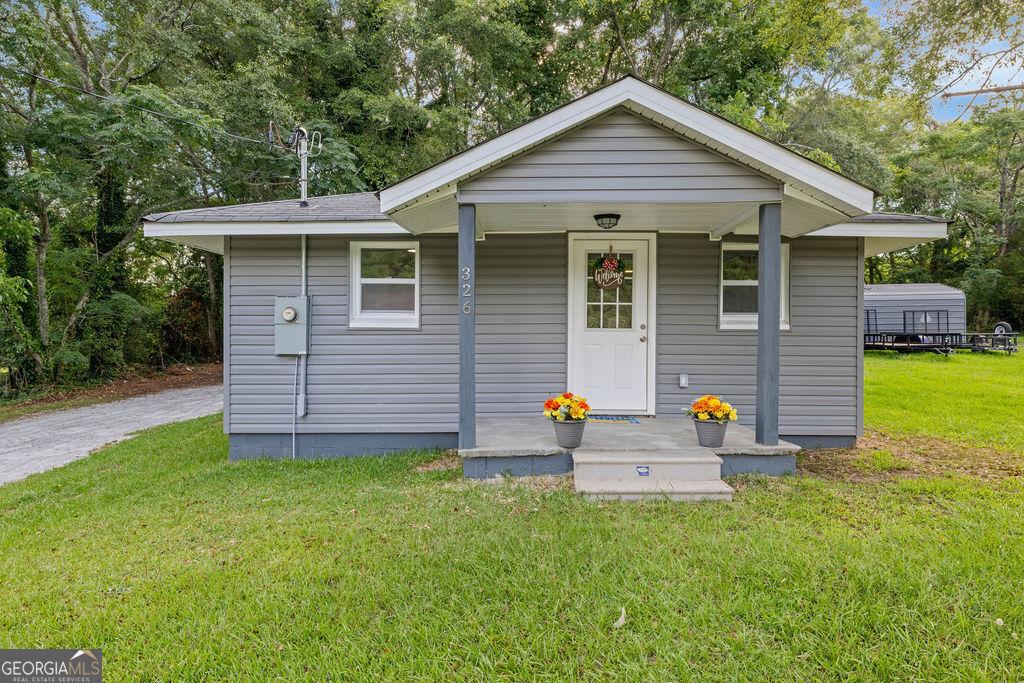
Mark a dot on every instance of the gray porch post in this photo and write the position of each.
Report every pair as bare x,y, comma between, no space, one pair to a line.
769,288
467,326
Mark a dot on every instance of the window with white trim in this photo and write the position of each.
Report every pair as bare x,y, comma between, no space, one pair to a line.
384,285
737,292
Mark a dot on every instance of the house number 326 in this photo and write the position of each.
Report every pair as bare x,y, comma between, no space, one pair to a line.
466,290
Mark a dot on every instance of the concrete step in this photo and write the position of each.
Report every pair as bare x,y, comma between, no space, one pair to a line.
690,491
685,474
696,464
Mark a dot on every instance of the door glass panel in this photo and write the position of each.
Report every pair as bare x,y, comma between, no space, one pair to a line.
610,308
625,317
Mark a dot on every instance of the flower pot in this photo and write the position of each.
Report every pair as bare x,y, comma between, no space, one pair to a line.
710,434
569,434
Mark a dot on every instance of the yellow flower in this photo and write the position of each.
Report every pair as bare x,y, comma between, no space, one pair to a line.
714,403
702,416
732,415
727,406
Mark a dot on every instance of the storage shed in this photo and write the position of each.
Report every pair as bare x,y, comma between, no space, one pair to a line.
914,308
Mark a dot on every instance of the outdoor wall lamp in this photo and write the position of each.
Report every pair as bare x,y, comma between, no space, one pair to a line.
607,221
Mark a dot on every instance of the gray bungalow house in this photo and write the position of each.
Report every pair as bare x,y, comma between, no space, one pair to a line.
443,310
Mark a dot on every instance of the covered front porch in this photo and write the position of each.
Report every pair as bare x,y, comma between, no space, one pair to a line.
634,446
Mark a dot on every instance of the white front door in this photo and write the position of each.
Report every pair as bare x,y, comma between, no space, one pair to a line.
610,330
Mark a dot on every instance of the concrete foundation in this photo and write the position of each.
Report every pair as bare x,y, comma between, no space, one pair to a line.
308,446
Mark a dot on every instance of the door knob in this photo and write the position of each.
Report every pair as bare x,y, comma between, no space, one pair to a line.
643,326
643,339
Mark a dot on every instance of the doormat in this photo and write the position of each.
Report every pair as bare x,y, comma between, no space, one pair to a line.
629,419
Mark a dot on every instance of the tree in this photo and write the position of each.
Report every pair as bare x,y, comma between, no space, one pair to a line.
970,171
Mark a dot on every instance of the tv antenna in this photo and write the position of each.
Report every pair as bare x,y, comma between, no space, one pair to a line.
305,145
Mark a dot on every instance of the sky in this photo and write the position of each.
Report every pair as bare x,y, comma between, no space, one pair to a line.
952,107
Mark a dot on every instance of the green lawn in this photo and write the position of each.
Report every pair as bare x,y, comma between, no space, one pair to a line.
182,566
973,399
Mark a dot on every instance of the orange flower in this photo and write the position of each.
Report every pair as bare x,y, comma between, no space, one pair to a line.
567,394
551,404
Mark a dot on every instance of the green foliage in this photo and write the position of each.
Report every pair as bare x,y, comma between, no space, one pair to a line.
966,171
394,87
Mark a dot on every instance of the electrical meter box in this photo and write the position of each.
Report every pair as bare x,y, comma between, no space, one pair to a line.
291,325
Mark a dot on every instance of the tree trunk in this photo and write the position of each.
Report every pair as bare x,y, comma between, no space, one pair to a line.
42,247
212,306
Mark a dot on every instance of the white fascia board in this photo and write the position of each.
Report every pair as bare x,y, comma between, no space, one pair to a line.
725,137
156,229
925,230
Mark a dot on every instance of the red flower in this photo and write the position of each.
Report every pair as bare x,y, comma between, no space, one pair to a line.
567,395
551,404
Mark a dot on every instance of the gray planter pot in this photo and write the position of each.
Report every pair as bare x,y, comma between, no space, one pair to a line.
569,434
710,434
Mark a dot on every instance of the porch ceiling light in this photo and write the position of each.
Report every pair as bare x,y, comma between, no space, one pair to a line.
607,221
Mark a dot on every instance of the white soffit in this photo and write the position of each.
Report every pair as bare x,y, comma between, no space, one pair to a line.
211,243
730,140
881,238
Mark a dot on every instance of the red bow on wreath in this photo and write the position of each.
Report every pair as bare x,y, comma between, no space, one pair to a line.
610,263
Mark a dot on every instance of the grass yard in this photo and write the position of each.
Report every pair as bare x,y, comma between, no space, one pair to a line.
182,566
969,399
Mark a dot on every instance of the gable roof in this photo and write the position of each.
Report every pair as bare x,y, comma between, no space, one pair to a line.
358,206
715,132
913,289
882,218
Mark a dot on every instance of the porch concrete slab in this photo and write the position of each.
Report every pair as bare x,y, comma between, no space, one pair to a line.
518,436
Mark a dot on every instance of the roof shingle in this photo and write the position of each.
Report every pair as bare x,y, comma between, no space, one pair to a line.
897,218
358,206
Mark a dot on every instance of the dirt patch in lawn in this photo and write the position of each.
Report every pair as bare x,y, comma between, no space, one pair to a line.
885,457
449,461
173,377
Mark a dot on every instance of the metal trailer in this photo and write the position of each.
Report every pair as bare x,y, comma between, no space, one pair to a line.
929,330
935,307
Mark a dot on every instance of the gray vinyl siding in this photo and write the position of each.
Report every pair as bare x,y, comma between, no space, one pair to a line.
362,381
358,380
406,381
521,322
890,301
619,158
819,354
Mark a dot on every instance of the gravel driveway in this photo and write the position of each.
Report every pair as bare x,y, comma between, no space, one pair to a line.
41,442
